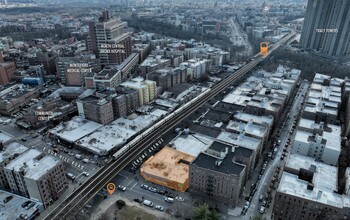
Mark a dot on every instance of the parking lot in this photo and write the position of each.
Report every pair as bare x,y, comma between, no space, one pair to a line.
181,202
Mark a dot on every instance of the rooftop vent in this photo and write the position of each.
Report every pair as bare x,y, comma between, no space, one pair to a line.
310,186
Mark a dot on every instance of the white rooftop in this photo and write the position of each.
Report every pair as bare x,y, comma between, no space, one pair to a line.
12,149
32,167
39,168
324,180
115,134
249,128
192,144
239,140
264,120
75,129
5,137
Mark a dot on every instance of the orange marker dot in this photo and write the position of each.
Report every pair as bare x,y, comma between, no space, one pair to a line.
110,188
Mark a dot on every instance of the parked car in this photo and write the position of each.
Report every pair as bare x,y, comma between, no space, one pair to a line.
152,189
262,210
31,204
168,199
158,207
25,204
246,205
148,203
179,198
86,173
70,176
161,192
170,195
7,199
144,186
261,198
122,188
139,200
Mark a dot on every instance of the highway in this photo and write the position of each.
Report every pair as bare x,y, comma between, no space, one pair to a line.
74,202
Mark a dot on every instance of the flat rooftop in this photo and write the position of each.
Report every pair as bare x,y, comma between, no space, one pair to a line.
106,138
239,140
36,166
153,61
324,180
226,164
192,144
5,137
12,149
166,164
209,131
249,128
13,209
107,74
75,129
217,115
263,120
331,134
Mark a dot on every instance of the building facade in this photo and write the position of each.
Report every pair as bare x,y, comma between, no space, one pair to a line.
72,70
6,72
214,174
326,28
37,176
109,40
97,109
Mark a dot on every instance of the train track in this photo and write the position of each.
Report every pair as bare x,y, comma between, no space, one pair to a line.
75,201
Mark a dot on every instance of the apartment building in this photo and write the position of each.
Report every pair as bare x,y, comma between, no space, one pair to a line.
153,63
307,190
214,174
318,140
324,99
109,77
7,154
146,89
37,176
7,69
97,109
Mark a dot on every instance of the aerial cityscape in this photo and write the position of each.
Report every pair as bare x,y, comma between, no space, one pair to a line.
164,109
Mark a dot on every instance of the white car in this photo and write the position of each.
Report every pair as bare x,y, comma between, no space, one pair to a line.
262,210
178,198
158,207
86,173
246,205
122,188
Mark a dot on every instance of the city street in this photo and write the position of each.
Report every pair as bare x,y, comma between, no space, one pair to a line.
238,37
273,164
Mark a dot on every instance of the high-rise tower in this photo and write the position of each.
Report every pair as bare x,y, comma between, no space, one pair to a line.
109,40
326,29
